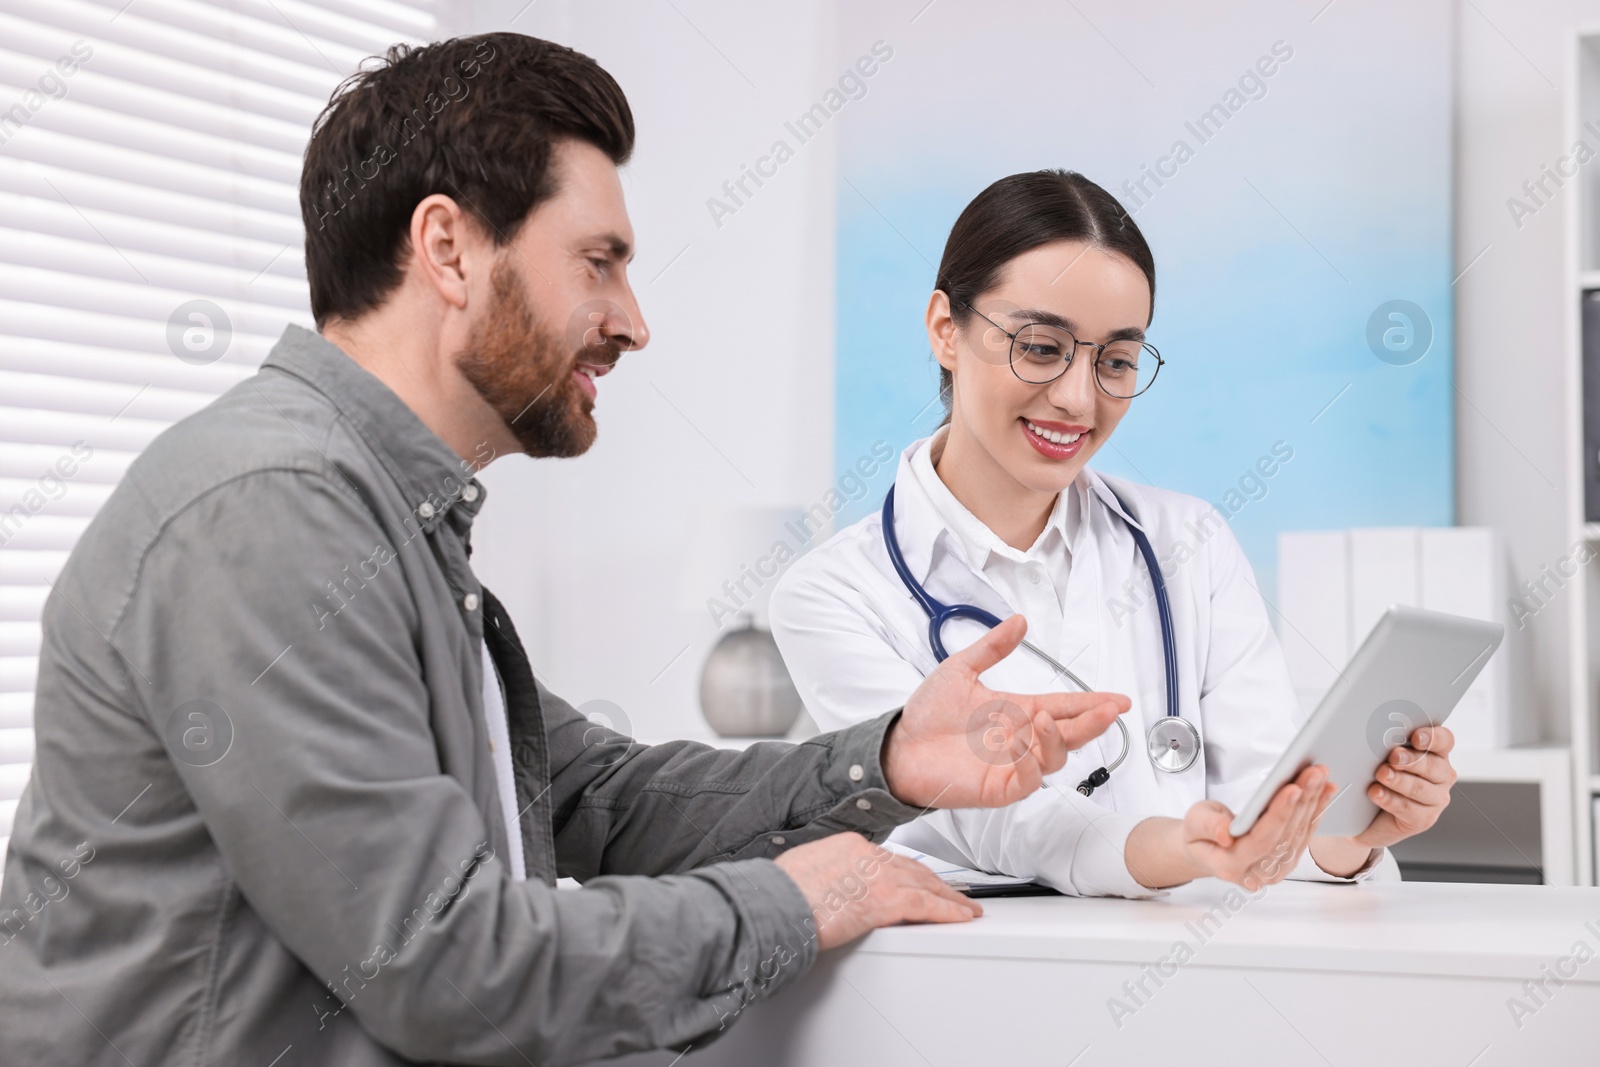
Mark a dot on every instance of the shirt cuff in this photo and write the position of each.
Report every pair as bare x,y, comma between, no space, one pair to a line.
855,775
1307,870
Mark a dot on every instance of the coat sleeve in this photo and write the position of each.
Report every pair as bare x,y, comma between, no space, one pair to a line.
333,817
1247,699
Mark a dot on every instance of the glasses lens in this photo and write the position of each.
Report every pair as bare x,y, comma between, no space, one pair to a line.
1126,368
1040,353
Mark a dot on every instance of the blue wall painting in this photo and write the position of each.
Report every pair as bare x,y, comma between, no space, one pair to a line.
1290,166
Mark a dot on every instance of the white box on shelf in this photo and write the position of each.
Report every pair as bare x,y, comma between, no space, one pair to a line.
1383,571
1334,586
1465,571
1314,601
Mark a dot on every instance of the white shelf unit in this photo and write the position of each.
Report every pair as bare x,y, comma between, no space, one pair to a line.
1582,272
1550,768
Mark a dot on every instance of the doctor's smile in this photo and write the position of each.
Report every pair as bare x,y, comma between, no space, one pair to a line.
1054,439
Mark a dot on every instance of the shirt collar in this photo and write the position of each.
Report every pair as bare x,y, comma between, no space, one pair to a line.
1100,485
928,514
436,482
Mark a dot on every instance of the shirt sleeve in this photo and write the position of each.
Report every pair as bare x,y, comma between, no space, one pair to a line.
661,809
620,807
847,670
334,818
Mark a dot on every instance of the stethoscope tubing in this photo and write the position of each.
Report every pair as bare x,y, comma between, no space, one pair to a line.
939,613
1169,646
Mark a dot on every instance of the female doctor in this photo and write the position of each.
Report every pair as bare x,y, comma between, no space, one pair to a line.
1038,322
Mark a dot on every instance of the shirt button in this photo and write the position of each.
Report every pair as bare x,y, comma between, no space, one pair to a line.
856,773
470,601
777,839
425,509
864,804
1033,575
470,493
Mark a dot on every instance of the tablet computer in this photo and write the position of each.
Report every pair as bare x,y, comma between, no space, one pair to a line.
1410,671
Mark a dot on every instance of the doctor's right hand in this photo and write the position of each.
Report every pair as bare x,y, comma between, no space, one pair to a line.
960,744
1163,852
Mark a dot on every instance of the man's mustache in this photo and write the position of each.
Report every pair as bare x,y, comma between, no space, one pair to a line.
604,353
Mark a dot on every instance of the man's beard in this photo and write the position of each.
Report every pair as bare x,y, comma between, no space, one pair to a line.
522,369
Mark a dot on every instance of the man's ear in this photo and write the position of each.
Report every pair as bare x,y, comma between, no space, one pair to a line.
941,330
446,248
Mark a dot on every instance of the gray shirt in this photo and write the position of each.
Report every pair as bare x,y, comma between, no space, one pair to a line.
262,819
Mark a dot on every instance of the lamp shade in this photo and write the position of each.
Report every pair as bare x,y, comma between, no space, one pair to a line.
745,690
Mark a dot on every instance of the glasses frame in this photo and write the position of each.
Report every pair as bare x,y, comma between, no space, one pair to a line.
1066,364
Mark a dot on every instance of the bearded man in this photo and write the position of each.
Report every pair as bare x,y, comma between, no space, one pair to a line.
298,795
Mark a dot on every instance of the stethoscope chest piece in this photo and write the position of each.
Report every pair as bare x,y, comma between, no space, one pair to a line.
1174,744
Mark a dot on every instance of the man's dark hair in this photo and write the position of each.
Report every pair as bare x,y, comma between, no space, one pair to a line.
473,118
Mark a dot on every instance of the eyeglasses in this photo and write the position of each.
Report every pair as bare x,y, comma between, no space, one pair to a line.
1041,353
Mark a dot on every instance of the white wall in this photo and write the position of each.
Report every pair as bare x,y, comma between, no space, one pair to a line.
731,402
1512,464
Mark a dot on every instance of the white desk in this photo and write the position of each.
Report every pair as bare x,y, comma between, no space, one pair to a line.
1414,974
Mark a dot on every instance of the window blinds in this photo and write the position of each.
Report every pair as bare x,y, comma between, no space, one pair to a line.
150,249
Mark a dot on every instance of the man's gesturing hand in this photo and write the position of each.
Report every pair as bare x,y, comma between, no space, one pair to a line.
959,744
854,886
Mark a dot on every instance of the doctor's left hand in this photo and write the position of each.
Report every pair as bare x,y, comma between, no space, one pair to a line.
960,744
1411,787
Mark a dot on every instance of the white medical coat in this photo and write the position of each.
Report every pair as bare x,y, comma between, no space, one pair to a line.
856,644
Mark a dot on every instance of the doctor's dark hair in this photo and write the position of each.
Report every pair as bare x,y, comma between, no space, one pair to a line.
473,118
1018,214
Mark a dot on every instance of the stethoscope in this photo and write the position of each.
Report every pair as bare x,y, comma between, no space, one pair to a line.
1173,742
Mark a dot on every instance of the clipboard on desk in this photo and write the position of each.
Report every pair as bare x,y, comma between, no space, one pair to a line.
999,885
978,884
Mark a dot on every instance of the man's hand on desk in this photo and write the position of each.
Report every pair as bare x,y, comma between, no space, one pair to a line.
1412,790
854,886
959,744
